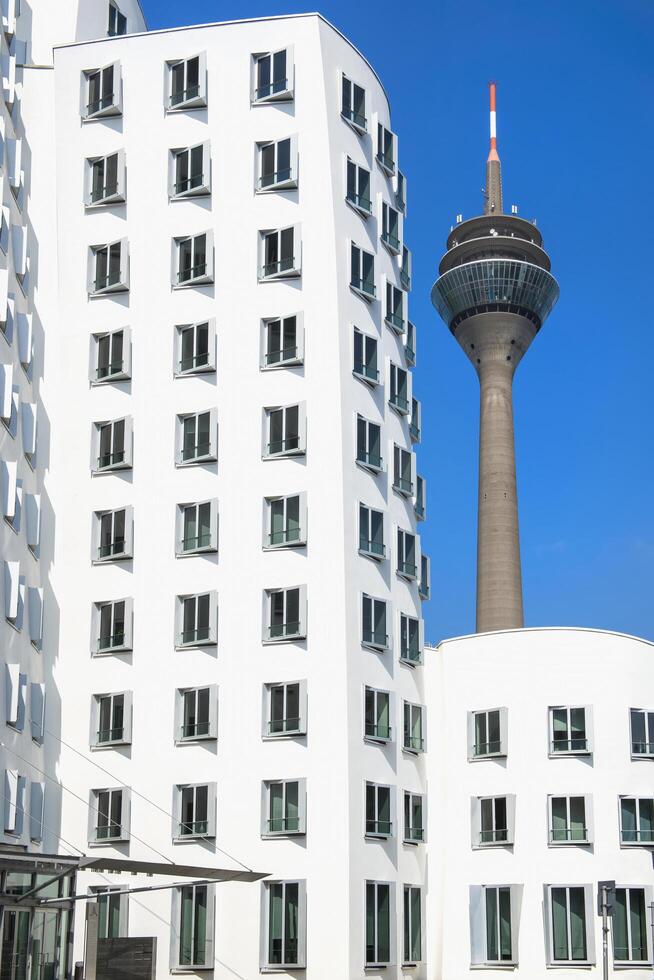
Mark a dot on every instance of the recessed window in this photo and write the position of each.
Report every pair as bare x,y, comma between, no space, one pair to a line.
378,811
14,594
193,913
277,161
371,532
403,471
407,564
111,356
414,830
273,76
113,535
394,312
399,389
195,348
283,925
285,614
414,738
386,149
642,733
282,342
570,920
412,925
102,92
358,188
410,639
362,272
285,707
112,912
195,619
108,268
390,233
373,623
400,192
424,583
416,418
197,714
195,808
284,808
365,357
637,820
405,268
410,344
369,444
286,521
197,438
280,253
378,923
117,21
487,733
197,528
569,731
193,260
353,105
112,445
112,626
493,821
187,83
284,431
377,724
111,719
499,944
105,180
629,926
419,503
569,820
190,171
109,815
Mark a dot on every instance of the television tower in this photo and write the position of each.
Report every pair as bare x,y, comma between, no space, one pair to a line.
495,292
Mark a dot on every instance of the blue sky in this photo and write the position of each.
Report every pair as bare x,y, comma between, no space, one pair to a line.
575,97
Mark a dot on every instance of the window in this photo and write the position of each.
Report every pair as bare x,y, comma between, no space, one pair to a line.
378,811
109,815
283,925
192,939
414,740
37,712
284,808
636,820
373,623
282,342
414,831
629,925
190,171
419,501
568,731
197,528
273,76
377,725
196,617
108,268
410,344
406,555
405,269
410,639
111,356
195,807
362,272
353,105
494,924
399,389
187,83
28,426
487,733
570,923
113,534
112,626
412,925
390,234
196,438
112,444
424,585
15,690
285,709
499,947
394,314
492,820
102,92
378,923
285,614
358,188
642,733
400,192
569,820
14,594
112,912
415,423
105,179
111,718
197,714
365,357
369,444
193,260
277,164
14,806
117,21
35,601
386,149
286,521
280,253
371,532
285,431
195,348
403,469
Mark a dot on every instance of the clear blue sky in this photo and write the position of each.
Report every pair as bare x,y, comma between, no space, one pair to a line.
575,128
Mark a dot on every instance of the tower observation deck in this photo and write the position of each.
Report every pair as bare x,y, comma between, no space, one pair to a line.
494,292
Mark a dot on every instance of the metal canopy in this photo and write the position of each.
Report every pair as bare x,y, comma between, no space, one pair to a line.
117,864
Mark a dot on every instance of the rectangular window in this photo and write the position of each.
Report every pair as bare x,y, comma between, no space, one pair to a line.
286,614
642,733
410,344
568,731
110,710
197,707
194,260
192,940
273,76
373,623
195,807
390,228
114,534
568,922
117,21
280,254
377,715
415,423
386,149
378,811
406,554
105,179
419,501
358,188
196,615
400,192
102,92
197,527
424,585
414,831
371,532
499,946
112,624
494,828
369,444
394,313
636,820
108,816
282,342
487,733
195,348
353,105
197,438
112,912
285,709
365,357
277,164
414,740
630,927
284,808
286,521
403,471
108,272
283,929
405,269
113,445
362,272
410,639
399,389
190,174
110,356
187,80
378,923
412,925
568,820
285,429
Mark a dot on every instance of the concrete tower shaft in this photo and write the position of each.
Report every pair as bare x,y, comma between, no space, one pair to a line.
495,292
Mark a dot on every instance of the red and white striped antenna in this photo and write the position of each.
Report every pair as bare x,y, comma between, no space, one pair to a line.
492,91
493,191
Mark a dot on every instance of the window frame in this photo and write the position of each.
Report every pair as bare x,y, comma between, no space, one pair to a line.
298,351
648,897
197,101
300,831
399,381
211,735
286,94
176,933
356,200
266,963
301,540
127,554
126,460
368,464
205,278
374,640
290,182
377,961
96,620
637,831
503,750
94,814
409,340
587,750
388,164
119,195
209,367
354,119
415,420
115,108
406,268
396,321
588,820
106,893
376,828
407,542
360,285
178,801
125,372
125,738
285,637
121,284
390,234
589,924
410,711
211,638
267,721
400,484
409,832
301,448
119,19
202,189
363,369
477,821
405,648
479,925
407,930
200,549
372,733
292,271
648,714
211,456
366,543
424,582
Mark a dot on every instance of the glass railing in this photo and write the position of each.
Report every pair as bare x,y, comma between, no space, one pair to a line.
400,202
488,748
379,828
397,401
281,355
360,201
112,549
108,460
106,370
391,240
375,638
414,431
184,95
369,459
197,542
198,635
97,105
288,535
577,835
498,836
370,547
286,264
414,742
101,193
414,834
276,87
196,828
423,590
113,640
386,161
110,735
405,279
278,446
283,726
379,730
419,510
642,748
198,451
395,320
356,118
366,371
410,354
108,831
283,825
275,177
278,631
196,730
192,272
577,744
403,485
641,836
104,282
411,654
407,568
189,183
198,360
363,286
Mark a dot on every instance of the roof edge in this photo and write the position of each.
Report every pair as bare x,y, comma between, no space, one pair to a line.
541,629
